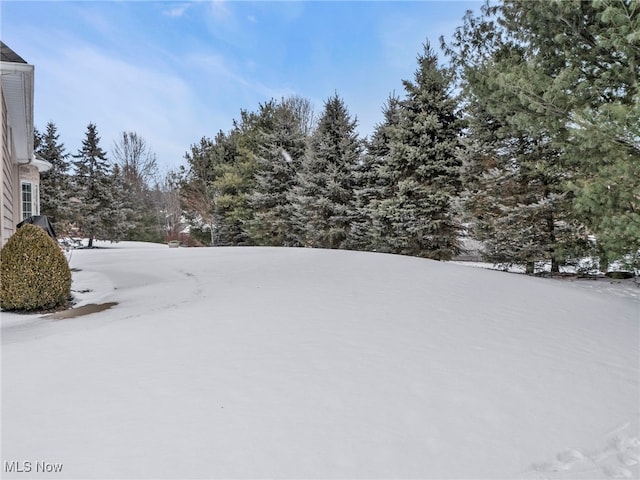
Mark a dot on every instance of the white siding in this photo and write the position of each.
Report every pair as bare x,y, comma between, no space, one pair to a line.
7,180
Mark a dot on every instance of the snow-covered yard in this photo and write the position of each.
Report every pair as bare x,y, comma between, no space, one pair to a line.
303,363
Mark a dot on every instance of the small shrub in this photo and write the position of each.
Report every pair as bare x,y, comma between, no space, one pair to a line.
34,274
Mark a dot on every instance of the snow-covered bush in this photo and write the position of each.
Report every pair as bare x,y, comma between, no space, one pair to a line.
34,274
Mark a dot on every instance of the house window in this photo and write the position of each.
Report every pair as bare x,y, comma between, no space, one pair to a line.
29,200
36,200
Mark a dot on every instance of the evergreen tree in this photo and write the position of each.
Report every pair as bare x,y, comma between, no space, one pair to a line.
215,188
374,183
234,184
599,53
124,217
55,187
280,148
517,205
514,178
98,213
197,193
423,169
323,198
569,73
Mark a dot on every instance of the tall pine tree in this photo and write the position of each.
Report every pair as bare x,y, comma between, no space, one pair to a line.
323,199
553,77
235,182
514,180
99,206
374,183
55,186
280,148
423,169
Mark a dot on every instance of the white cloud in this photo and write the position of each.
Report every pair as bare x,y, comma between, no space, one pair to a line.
176,11
174,87
290,11
171,104
215,65
220,10
95,20
228,76
86,85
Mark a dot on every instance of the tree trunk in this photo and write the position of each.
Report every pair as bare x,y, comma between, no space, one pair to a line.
603,260
555,265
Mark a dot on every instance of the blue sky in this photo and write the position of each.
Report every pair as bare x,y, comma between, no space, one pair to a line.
177,71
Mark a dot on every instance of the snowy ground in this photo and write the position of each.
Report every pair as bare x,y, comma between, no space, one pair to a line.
302,363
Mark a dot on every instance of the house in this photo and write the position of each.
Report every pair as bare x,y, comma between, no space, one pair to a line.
20,173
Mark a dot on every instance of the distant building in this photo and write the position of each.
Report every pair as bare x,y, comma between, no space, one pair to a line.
20,172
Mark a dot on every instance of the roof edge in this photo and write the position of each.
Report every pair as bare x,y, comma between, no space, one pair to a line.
8,55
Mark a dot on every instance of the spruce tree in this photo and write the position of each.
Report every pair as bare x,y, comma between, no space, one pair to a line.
281,146
98,205
423,168
374,183
124,217
323,198
55,187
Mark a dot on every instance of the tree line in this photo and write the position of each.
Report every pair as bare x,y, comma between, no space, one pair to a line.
89,195
285,176
527,140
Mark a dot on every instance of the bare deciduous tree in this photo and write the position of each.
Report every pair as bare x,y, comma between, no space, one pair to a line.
167,200
302,109
136,160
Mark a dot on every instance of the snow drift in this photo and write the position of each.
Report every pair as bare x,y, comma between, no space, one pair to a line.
302,363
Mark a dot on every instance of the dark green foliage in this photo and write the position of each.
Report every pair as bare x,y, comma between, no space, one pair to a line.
235,184
279,149
323,199
417,216
197,193
607,191
374,183
215,189
123,215
560,80
147,227
514,185
55,185
588,61
100,199
34,275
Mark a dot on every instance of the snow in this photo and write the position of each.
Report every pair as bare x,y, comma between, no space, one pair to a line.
306,363
595,281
